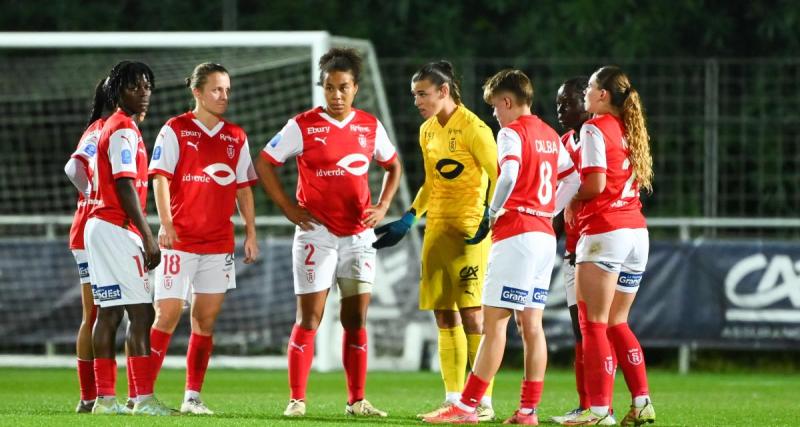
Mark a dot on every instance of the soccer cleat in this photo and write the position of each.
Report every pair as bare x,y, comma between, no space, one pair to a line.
589,418
106,407
436,411
151,406
296,408
453,415
485,413
518,418
84,407
638,416
558,419
363,408
127,408
196,407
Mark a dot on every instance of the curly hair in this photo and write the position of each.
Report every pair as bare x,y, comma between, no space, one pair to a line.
343,59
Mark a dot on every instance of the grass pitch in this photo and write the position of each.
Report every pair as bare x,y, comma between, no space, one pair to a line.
45,397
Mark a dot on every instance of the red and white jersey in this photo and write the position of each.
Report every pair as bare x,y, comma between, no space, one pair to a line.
85,153
332,161
205,168
605,150
572,144
120,154
542,162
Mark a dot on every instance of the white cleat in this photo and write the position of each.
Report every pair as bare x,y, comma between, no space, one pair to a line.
151,406
195,407
107,407
363,408
558,419
485,413
296,408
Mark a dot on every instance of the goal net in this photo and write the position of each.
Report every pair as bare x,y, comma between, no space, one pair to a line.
46,90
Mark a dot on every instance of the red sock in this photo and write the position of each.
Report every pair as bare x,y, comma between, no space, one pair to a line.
597,362
131,384
354,357
105,376
580,378
301,354
141,369
630,357
474,390
610,391
159,343
86,379
530,394
197,356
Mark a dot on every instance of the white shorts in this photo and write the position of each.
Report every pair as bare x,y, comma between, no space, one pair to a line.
82,260
116,265
320,257
180,272
622,251
518,275
569,281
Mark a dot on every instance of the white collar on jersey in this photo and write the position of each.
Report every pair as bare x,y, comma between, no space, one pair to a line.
209,132
337,123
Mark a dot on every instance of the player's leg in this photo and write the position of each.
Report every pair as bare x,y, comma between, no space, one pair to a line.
104,336
83,343
215,274
468,301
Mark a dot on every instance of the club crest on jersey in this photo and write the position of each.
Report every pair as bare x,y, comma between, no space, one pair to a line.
231,151
362,140
452,145
168,283
310,275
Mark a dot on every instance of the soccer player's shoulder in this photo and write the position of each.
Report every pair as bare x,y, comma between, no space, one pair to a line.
312,114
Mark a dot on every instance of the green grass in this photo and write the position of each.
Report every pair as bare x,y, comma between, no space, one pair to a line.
247,397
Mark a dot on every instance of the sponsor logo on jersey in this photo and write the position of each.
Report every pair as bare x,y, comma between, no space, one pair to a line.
221,173
90,150
311,130
469,272
190,133
449,168
195,178
228,260
356,164
228,138
359,129
629,280
540,295
762,289
107,293
126,157
157,152
275,140
535,212
230,151
513,295
83,270
547,147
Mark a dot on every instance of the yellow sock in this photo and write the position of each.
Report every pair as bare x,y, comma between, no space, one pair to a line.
473,342
453,358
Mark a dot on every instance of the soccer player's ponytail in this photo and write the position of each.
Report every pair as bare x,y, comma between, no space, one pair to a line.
101,102
625,98
439,73
201,72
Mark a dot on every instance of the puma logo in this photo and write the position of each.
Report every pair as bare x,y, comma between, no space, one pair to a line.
158,353
300,348
366,264
359,347
189,143
320,139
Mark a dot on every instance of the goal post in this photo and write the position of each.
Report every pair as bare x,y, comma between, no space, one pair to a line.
51,76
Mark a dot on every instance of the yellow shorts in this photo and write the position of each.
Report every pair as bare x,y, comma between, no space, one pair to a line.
452,271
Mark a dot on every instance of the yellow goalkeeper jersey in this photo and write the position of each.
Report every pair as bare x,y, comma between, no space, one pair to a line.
460,169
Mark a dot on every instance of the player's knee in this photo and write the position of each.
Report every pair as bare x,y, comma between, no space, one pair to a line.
354,321
473,320
530,332
309,321
166,319
203,325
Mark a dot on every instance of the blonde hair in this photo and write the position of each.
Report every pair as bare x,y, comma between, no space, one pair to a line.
626,99
512,81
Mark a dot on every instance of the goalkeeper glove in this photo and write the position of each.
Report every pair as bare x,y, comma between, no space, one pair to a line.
483,229
394,231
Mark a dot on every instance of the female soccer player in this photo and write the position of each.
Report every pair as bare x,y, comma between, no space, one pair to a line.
120,246
613,246
201,171
571,116
525,198
333,239
79,172
460,159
